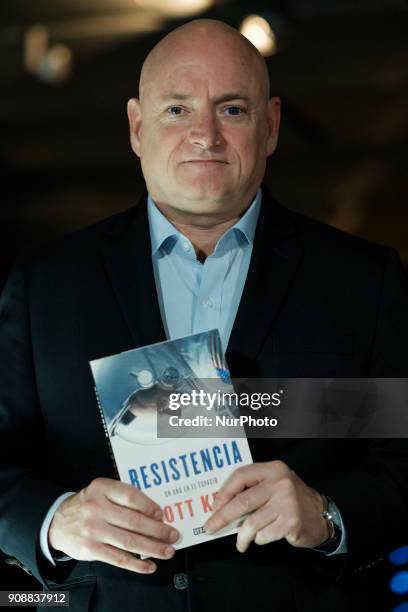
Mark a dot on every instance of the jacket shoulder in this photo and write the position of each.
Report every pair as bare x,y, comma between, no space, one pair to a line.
320,238
83,243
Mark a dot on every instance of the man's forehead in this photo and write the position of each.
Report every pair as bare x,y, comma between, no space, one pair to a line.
219,83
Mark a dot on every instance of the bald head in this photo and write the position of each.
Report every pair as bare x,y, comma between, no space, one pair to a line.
207,39
204,124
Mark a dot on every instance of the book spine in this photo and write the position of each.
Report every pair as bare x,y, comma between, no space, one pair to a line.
105,428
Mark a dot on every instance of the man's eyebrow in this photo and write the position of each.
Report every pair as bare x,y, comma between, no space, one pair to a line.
234,95
175,96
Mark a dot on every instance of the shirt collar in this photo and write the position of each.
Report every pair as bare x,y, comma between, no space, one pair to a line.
247,223
162,230
160,227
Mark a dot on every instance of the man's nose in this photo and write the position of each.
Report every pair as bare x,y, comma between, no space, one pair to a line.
204,132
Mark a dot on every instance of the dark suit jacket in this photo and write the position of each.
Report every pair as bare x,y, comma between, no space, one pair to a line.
316,303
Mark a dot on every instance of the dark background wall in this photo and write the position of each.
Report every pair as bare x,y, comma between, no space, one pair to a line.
341,70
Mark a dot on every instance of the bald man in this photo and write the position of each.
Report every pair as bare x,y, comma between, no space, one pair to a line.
205,248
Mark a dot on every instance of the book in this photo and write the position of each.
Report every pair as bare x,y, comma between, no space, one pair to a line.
182,471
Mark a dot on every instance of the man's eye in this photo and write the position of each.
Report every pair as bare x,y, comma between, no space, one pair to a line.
175,110
234,111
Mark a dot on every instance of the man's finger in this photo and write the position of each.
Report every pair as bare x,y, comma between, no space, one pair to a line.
245,502
120,558
257,521
246,477
134,521
276,530
136,543
125,495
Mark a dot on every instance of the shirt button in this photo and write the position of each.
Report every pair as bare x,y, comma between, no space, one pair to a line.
207,302
186,247
180,581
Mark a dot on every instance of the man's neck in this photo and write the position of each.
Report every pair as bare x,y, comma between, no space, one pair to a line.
203,231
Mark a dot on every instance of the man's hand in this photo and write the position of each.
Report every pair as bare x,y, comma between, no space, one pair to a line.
279,504
108,521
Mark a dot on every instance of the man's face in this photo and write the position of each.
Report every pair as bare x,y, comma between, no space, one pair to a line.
204,128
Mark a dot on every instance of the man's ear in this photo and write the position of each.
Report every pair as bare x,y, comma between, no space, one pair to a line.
134,112
274,105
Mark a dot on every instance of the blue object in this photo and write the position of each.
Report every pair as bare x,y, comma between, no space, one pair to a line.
399,556
399,583
402,607
224,374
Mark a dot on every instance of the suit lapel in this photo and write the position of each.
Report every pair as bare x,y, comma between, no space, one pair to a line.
128,263
275,259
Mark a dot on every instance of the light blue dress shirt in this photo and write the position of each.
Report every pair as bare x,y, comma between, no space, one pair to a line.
193,296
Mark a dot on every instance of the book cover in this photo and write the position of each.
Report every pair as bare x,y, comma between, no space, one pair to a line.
182,473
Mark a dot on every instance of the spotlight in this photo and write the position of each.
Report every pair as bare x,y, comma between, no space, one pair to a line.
56,65
258,31
35,46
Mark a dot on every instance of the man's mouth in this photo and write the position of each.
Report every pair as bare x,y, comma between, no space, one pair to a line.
205,161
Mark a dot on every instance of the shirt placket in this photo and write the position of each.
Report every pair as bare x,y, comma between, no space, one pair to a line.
207,313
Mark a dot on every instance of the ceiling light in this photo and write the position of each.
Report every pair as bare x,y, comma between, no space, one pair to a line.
56,65
35,46
176,8
258,31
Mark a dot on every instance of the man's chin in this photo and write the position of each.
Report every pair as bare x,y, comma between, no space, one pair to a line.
197,201
204,196
203,203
